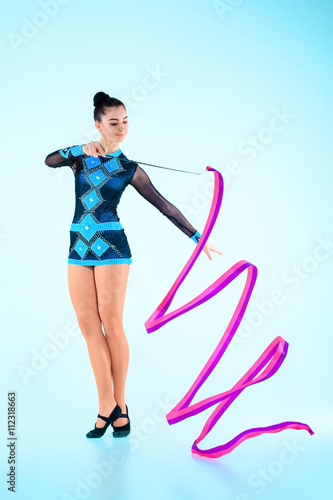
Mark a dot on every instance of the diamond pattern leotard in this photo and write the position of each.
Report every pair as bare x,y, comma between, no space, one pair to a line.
96,233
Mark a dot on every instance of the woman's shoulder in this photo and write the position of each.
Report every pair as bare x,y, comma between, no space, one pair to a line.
128,164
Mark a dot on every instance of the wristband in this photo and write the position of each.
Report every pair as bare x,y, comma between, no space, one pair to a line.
196,237
75,150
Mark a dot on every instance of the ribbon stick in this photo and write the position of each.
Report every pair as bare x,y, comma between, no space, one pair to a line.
174,169
266,365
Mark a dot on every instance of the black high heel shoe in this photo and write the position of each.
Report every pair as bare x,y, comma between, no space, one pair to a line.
100,431
122,430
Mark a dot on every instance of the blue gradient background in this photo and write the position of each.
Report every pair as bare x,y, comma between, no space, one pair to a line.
217,79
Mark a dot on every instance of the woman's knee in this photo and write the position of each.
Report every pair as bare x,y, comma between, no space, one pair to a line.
113,324
89,321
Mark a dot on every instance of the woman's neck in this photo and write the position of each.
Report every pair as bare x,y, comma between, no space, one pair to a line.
109,147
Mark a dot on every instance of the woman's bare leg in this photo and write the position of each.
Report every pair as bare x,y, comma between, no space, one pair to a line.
82,290
111,283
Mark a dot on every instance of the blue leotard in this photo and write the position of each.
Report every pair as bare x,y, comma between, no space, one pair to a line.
97,236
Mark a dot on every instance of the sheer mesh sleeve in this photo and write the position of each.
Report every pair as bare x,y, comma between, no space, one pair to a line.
64,157
143,185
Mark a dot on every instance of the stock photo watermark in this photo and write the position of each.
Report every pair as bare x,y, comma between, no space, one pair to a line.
225,7
152,79
258,142
41,358
12,440
103,470
3,236
293,277
249,148
30,27
263,477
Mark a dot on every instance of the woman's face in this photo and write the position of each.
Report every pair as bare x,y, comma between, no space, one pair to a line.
114,124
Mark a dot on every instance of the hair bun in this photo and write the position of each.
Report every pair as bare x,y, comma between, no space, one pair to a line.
99,97
103,101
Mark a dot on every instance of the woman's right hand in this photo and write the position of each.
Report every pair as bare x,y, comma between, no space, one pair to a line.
93,148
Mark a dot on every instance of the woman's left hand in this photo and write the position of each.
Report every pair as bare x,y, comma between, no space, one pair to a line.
210,248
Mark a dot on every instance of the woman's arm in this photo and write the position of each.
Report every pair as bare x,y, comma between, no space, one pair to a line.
64,157
143,185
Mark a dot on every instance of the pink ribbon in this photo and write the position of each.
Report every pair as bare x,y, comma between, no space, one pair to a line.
266,365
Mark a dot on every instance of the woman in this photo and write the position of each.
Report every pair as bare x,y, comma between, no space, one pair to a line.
99,253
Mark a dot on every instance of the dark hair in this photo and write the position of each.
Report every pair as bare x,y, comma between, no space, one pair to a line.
101,101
